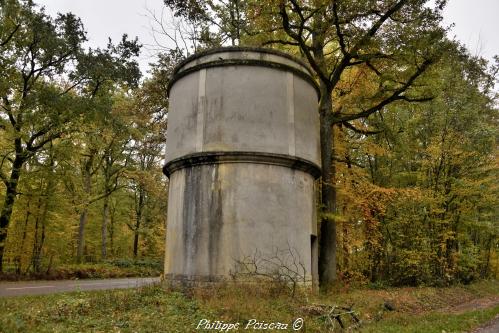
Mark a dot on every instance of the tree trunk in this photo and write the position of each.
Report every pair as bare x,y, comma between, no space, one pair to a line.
111,228
34,256
136,243
327,256
327,240
81,235
38,243
139,206
485,268
136,231
20,252
38,246
8,205
87,187
346,240
105,223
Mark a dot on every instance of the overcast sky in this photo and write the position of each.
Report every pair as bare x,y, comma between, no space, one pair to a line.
476,22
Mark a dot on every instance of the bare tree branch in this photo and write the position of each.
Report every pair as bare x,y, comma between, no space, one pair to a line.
10,36
396,95
358,130
306,49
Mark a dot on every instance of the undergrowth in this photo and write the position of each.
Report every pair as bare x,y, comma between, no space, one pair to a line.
117,268
161,309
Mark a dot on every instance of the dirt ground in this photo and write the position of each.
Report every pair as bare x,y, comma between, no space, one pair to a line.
477,304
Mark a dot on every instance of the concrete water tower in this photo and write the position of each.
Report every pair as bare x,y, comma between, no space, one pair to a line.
242,157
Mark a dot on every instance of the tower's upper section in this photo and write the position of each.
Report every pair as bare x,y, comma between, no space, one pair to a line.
244,100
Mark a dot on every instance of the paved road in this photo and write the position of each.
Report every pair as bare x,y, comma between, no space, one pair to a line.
491,327
50,287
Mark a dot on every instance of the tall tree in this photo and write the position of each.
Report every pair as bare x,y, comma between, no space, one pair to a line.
421,190
45,72
145,181
102,71
35,50
215,22
115,160
390,44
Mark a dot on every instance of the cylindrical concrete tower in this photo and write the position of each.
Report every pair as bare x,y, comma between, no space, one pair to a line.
242,156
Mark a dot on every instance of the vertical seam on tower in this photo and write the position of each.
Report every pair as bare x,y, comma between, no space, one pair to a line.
201,110
291,113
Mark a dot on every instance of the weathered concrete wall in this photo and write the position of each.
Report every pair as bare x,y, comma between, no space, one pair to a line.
224,212
242,156
243,108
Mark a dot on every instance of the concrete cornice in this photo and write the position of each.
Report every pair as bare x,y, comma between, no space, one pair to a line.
248,57
240,49
203,158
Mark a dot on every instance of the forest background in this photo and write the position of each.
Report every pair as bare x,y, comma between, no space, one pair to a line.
409,137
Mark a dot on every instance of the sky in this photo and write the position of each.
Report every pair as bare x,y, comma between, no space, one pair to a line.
476,22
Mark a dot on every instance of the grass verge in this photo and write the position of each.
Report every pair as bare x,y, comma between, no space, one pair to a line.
156,309
118,268
434,322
